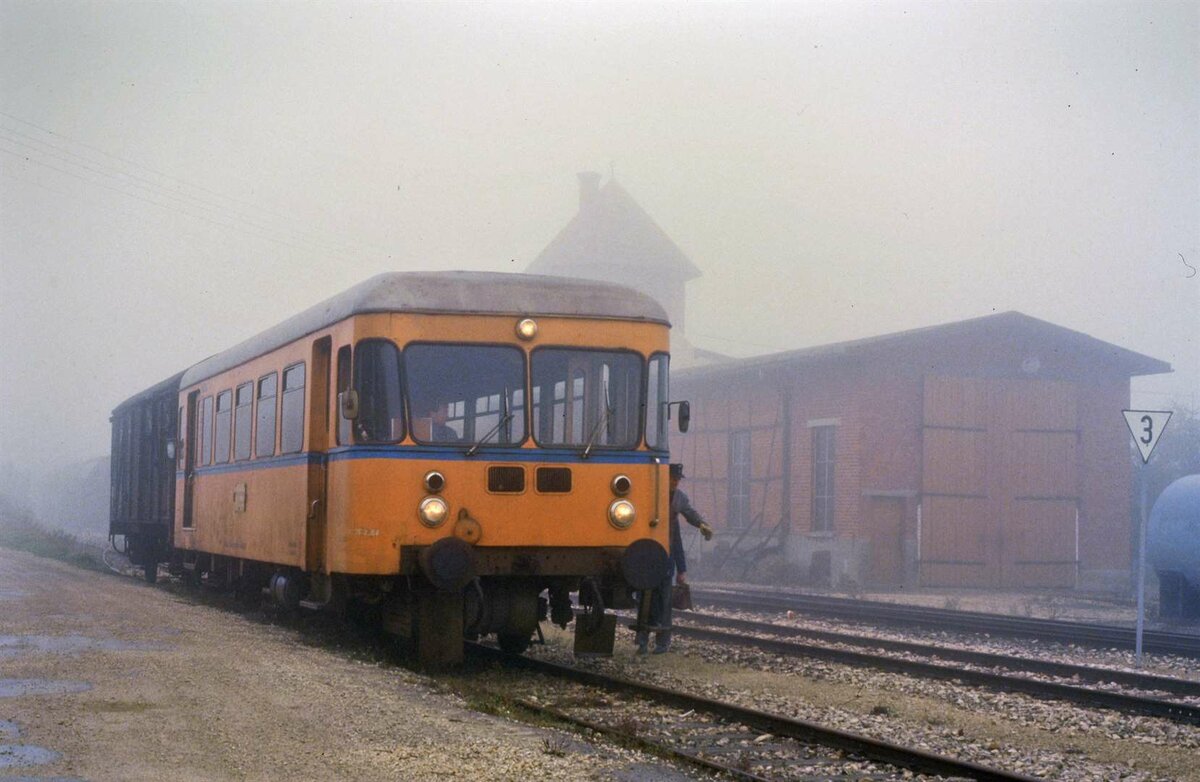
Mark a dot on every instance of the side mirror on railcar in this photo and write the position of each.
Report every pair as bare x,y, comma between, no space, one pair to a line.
169,448
348,403
685,414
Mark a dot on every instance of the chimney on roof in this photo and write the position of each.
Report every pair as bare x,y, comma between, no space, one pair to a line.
589,188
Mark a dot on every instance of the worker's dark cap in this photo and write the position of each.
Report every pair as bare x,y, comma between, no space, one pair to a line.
677,470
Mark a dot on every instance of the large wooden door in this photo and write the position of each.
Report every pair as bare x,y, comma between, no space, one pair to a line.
885,523
1000,483
958,521
1040,483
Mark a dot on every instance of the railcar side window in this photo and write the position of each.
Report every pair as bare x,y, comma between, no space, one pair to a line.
594,398
224,421
466,394
204,440
242,418
343,384
291,432
264,421
378,382
657,397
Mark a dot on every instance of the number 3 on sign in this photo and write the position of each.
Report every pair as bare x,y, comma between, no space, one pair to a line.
1146,426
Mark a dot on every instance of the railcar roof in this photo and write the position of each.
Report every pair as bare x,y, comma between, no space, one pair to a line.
482,293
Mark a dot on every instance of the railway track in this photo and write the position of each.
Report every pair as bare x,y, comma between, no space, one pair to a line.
732,739
1004,682
1108,636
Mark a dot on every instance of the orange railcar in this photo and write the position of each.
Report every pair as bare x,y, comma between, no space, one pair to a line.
448,446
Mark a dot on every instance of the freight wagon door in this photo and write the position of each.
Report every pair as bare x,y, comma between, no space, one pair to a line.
959,529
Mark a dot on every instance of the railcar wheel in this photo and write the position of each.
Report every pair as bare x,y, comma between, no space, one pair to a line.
150,572
513,643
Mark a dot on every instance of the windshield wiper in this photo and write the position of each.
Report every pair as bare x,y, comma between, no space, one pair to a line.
509,414
605,419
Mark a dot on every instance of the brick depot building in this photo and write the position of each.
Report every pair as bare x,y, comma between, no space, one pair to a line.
984,453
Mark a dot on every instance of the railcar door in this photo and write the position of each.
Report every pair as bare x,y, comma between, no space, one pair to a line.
189,460
318,438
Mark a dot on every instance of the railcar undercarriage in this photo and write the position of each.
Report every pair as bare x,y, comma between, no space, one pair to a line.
450,594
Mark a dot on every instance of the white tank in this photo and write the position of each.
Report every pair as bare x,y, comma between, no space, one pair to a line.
1173,534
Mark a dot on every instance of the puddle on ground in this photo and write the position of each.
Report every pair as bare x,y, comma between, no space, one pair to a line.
12,755
12,594
17,645
9,730
13,688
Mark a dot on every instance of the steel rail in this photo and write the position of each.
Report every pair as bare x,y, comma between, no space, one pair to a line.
657,747
972,621
862,746
1143,681
1176,712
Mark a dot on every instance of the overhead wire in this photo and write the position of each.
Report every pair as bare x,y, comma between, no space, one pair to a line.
210,204
149,201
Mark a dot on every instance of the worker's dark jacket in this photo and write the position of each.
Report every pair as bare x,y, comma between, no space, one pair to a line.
681,506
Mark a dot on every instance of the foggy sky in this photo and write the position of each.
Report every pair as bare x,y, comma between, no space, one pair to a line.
176,177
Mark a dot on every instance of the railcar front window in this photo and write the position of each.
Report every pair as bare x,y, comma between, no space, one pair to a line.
471,395
586,398
378,382
656,403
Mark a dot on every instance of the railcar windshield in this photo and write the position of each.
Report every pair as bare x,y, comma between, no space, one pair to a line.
657,397
586,398
377,378
464,394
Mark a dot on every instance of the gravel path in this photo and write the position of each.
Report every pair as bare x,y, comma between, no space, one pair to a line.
1014,732
115,680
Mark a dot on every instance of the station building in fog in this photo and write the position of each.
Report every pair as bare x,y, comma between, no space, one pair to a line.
984,453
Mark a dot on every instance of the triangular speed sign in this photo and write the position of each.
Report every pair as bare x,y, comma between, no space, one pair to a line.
1146,426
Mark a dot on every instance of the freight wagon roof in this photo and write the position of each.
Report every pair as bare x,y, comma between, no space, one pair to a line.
975,337
480,293
170,385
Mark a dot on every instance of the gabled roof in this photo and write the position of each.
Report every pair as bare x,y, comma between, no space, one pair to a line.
485,293
611,230
1012,328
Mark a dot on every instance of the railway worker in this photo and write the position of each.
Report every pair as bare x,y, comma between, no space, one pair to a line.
660,606
435,420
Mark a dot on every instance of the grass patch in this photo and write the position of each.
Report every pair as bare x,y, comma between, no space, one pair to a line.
20,531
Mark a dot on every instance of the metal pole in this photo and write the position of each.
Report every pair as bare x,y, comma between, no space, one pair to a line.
1141,576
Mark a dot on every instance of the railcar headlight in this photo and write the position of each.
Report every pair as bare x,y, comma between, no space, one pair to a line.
435,481
527,329
621,514
433,511
621,485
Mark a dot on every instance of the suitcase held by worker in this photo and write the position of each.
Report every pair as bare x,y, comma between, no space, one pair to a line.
681,597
